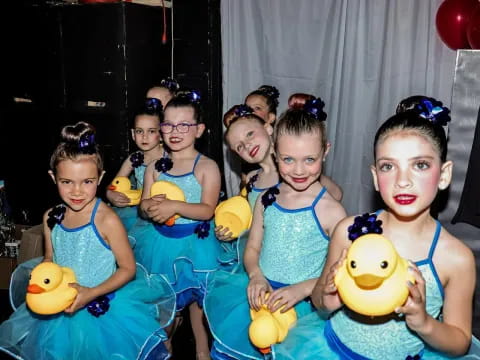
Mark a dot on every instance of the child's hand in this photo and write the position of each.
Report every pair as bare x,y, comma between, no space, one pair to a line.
162,209
256,291
118,199
287,297
330,299
84,296
223,233
414,309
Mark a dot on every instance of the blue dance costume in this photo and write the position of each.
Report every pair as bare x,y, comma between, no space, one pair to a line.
130,327
294,249
129,214
348,335
184,252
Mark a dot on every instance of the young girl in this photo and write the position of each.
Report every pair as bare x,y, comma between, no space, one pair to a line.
436,319
188,250
288,239
264,102
164,92
147,137
114,315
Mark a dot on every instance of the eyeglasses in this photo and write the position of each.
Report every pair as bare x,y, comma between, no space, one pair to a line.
167,128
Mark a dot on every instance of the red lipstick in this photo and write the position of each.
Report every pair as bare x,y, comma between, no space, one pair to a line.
405,199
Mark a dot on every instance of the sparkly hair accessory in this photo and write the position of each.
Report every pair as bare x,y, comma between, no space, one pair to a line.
163,164
86,144
315,108
433,111
192,95
251,183
153,105
270,197
364,224
56,215
170,84
270,91
137,159
99,305
202,230
243,110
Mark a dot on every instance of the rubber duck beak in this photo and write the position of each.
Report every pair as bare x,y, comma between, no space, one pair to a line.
111,187
35,289
368,281
265,350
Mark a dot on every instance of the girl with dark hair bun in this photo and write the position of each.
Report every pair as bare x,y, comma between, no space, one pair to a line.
264,102
435,322
147,138
119,309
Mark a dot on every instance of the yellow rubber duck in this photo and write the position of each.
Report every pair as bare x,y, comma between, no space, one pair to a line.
269,328
234,213
372,279
48,291
172,192
122,184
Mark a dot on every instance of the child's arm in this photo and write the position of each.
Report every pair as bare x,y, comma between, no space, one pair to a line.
333,188
117,198
258,286
48,256
113,232
149,178
453,334
324,295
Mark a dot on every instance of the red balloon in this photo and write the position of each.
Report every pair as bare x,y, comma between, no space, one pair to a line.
452,21
473,29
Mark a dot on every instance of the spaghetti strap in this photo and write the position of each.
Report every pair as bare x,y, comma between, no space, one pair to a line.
196,161
319,196
435,240
94,212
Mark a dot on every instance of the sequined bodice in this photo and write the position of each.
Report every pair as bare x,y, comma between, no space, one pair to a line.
139,174
83,250
294,244
190,186
389,336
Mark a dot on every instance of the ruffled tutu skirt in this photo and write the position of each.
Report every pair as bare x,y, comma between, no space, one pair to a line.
228,313
132,327
307,340
231,257
184,260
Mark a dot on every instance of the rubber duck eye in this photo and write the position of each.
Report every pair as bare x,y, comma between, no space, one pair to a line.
46,281
384,264
116,182
353,264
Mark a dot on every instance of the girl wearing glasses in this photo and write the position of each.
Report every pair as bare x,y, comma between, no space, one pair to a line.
187,251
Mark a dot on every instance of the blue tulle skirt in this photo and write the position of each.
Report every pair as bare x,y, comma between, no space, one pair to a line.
132,328
128,215
228,313
231,257
180,255
311,339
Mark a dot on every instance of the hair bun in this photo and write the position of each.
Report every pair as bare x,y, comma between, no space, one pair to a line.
270,91
242,110
433,110
315,108
170,83
153,106
192,95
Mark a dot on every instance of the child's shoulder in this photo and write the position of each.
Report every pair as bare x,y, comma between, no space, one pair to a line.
454,251
205,163
105,215
330,210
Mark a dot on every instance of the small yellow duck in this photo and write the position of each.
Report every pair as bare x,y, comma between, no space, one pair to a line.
234,213
48,291
372,279
172,192
122,184
269,328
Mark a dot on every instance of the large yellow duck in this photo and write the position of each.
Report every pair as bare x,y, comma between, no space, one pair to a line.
372,279
234,214
122,184
171,191
48,291
269,328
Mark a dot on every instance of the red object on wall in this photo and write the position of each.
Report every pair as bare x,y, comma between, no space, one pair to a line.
473,29
452,19
97,1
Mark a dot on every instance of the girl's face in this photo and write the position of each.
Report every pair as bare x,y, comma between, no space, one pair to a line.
77,181
180,129
259,106
146,133
250,140
300,159
160,93
408,173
